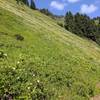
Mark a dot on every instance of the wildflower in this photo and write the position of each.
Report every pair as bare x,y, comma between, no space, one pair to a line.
30,83
38,81
3,86
18,62
5,54
18,77
33,75
14,68
28,88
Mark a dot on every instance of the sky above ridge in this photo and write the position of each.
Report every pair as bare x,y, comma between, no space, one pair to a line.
60,7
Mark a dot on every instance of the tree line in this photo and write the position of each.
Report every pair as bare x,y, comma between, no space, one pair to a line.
29,3
83,25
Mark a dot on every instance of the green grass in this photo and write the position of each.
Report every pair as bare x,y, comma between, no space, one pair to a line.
66,66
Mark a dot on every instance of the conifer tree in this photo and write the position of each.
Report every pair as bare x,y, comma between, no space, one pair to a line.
69,21
29,3
32,5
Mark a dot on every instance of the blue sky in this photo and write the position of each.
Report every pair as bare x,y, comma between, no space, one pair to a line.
60,7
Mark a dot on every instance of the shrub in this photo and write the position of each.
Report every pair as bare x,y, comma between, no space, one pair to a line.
19,37
60,24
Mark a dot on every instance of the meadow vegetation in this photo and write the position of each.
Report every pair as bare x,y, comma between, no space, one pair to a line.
39,60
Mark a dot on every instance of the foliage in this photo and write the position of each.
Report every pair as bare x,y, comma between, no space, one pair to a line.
82,25
47,12
32,5
69,22
60,24
19,37
26,2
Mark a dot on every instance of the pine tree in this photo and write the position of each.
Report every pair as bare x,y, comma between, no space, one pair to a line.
83,25
69,21
33,5
78,24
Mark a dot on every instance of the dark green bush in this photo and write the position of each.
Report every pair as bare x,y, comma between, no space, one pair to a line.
60,24
19,37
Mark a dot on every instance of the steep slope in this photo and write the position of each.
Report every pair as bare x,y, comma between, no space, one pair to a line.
41,60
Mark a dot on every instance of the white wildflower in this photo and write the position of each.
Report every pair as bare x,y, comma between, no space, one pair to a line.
5,54
14,68
18,77
38,81
18,62
33,75
28,88
30,83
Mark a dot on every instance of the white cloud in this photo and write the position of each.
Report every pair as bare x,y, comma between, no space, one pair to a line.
73,1
87,9
57,5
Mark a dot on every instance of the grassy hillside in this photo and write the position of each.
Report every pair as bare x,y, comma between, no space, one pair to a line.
39,60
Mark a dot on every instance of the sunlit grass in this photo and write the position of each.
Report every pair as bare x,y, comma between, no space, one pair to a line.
64,65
